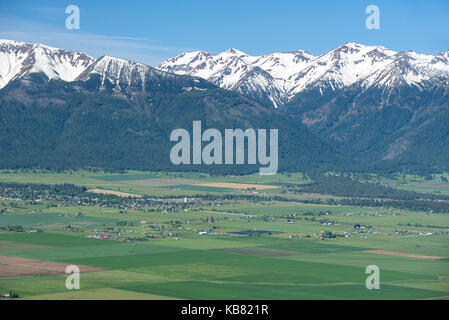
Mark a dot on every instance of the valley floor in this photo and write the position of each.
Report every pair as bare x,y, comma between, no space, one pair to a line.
193,236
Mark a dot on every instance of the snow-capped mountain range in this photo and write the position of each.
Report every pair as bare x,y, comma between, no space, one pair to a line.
276,77
374,104
281,76
18,59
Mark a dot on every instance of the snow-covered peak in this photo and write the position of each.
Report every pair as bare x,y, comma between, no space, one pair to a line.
191,58
344,66
352,52
6,42
282,65
119,72
232,54
236,70
233,51
187,63
116,66
19,58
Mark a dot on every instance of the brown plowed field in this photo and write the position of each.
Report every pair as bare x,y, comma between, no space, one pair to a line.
407,255
15,266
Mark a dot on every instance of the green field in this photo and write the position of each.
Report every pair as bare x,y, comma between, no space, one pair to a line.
219,249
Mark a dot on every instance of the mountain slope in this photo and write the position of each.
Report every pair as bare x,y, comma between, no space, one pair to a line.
119,115
381,128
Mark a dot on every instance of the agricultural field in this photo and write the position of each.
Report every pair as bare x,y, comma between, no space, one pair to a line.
148,235
435,183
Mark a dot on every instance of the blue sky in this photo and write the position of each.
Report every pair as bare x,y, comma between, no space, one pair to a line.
152,31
